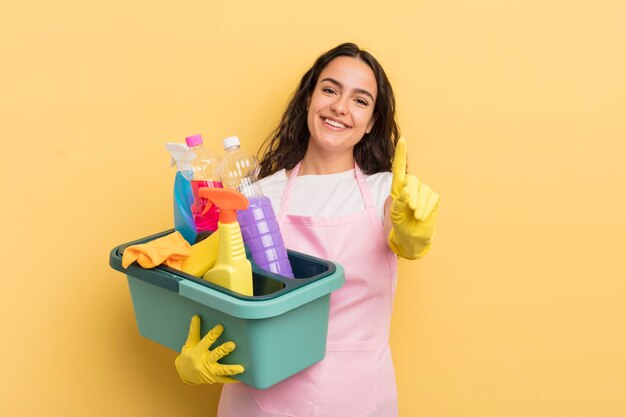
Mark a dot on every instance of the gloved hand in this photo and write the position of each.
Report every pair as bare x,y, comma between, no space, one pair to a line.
414,210
196,364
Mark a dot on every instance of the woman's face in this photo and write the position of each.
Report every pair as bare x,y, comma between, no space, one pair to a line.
341,108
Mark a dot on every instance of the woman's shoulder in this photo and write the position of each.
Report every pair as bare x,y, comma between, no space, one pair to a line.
278,176
380,181
274,183
380,184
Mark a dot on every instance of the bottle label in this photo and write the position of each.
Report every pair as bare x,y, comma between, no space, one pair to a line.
261,234
207,221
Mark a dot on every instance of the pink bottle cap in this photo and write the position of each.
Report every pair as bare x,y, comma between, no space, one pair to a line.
194,140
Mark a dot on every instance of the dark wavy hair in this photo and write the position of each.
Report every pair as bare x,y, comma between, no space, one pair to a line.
287,144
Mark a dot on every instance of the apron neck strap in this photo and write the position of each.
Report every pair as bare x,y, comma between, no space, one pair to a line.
360,178
284,201
364,188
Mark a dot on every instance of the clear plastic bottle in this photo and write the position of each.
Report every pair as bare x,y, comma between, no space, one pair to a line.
261,234
203,173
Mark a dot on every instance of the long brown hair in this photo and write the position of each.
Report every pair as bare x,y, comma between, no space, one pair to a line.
287,144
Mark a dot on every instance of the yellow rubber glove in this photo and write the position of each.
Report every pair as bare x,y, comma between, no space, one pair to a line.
414,210
197,364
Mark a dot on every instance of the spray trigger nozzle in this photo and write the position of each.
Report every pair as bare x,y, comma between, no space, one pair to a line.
228,201
179,155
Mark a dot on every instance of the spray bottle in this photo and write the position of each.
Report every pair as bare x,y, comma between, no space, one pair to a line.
232,269
183,194
259,227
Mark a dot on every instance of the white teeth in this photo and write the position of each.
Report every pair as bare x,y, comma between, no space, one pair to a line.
334,123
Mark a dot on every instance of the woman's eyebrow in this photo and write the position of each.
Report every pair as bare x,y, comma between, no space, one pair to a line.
357,90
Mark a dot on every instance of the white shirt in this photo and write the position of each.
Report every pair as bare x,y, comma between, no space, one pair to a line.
329,195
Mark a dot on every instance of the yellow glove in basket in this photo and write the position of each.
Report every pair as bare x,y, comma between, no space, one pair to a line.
414,210
197,364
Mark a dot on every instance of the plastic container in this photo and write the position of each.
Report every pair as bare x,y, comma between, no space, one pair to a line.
279,331
203,173
259,227
183,195
232,268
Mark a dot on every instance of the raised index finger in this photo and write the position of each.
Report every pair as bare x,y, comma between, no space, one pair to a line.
398,168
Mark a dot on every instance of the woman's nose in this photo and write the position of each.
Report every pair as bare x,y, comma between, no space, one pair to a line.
339,106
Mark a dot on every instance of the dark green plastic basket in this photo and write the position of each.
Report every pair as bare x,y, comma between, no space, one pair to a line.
279,331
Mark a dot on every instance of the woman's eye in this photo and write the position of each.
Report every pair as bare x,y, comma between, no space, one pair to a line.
328,90
361,102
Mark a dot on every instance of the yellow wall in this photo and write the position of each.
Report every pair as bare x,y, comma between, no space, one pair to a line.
515,112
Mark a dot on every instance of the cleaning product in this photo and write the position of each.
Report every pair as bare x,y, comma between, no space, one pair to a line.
170,250
203,256
232,269
261,233
183,195
203,173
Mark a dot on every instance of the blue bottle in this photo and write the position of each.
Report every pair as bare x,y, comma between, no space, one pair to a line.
183,194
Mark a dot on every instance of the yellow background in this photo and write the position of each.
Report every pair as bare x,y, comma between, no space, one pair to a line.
515,113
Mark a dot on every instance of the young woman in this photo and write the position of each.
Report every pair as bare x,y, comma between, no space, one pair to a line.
327,169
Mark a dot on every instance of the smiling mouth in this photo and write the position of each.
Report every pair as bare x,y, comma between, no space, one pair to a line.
334,123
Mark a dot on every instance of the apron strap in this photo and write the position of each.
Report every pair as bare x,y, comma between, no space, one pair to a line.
370,205
284,201
364,188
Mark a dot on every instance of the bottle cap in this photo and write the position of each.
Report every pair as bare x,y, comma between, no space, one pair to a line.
194,140
231,141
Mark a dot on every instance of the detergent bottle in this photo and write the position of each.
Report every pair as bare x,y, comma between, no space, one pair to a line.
232,269
203,173
183,195
261,233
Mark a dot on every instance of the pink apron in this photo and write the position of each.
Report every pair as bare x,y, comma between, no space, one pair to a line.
356,377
